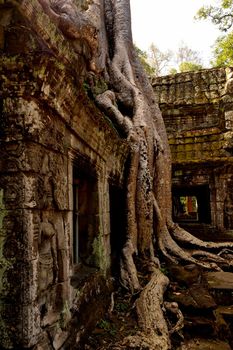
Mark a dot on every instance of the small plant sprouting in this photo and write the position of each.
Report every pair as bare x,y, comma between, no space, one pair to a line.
122,307
107,326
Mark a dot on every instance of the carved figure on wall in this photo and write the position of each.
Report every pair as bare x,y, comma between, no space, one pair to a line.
47,254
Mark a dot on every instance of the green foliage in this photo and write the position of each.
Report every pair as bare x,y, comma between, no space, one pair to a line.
94,85
173,71
189,66
122,307
164,270
143,57
186,60
107,326
86,86
223,51
220,15
84,4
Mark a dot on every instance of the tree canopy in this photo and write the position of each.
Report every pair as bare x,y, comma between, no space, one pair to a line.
223,51
220,15
158,59
157,63
143,56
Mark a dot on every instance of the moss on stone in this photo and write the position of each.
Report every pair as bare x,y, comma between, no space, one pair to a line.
65,315
99,254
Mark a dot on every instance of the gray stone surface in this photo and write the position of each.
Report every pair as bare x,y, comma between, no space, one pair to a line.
205,344
220,280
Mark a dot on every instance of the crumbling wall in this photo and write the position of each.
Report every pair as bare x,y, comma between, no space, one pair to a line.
49,126
197,110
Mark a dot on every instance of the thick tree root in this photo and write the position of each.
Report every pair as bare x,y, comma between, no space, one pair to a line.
147,172
173,308
128,271
171,235
154,332
185,237
107,101
176,254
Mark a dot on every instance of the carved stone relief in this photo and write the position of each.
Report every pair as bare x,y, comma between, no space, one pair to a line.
48,268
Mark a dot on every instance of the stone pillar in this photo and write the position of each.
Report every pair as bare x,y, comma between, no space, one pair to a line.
34,224
19,317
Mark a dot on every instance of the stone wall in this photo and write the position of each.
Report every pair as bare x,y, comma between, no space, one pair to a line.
51,135
197,108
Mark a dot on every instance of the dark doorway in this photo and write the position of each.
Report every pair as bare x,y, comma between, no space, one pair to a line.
85,210
117,225
192,204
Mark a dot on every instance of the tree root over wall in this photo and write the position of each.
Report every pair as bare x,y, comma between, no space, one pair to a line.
129,102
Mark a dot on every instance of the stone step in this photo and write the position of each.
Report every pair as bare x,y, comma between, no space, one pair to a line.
193,299
206,300
220,286
224,322
226,312
200,326
204,344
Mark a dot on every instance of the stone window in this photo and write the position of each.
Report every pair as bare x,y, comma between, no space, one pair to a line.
85,216
185,208
192,204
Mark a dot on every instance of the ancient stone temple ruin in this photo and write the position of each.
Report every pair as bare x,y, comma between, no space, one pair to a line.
197,108
61,173
62,170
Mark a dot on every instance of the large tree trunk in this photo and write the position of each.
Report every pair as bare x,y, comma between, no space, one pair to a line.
130,103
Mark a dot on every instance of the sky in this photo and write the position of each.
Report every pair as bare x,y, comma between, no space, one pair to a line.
168,23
